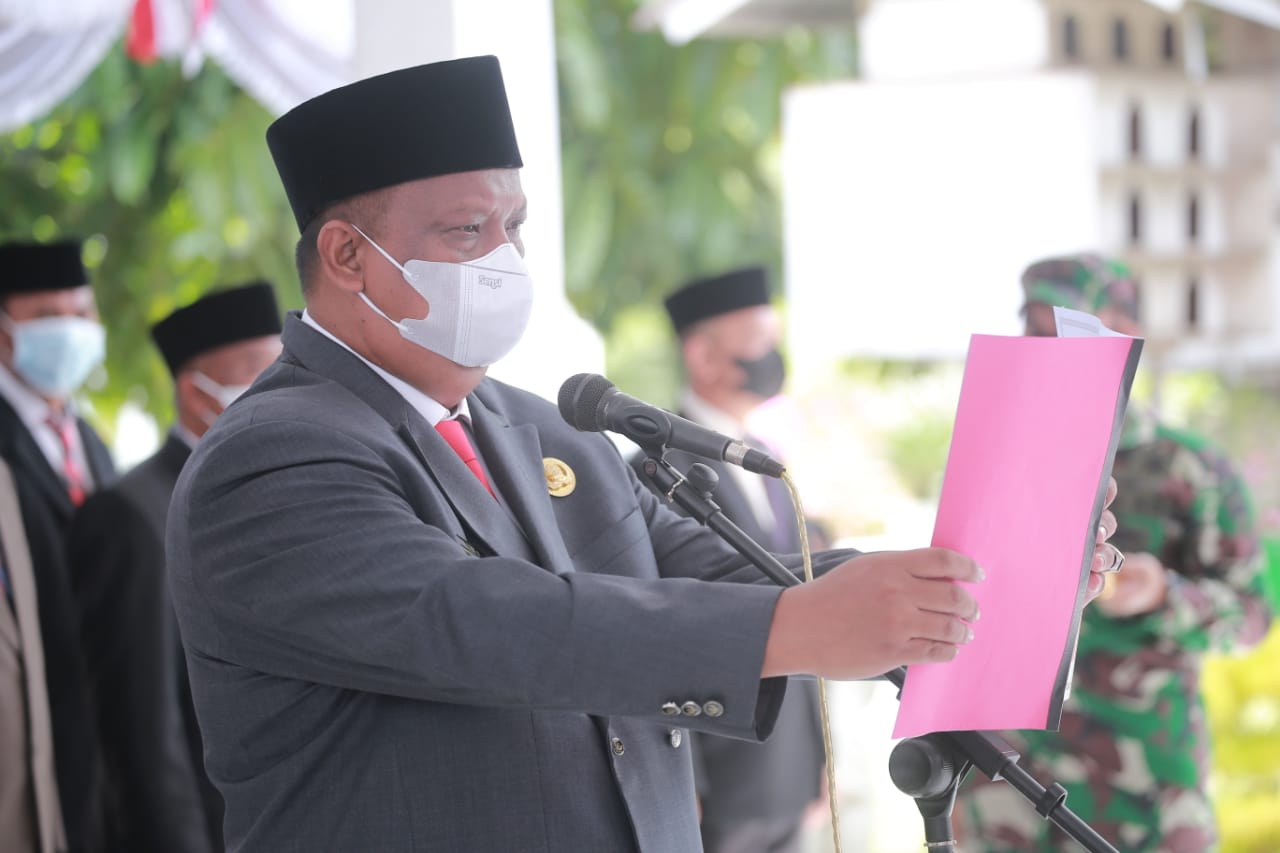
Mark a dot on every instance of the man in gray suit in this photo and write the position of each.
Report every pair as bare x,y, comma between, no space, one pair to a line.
486,635
753,795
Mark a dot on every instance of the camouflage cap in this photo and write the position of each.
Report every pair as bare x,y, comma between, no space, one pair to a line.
1086,282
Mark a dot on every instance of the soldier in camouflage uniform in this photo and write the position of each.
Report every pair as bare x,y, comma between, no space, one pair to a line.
1133,746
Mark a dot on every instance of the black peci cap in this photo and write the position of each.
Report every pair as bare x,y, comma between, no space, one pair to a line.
418,122
28,267
714,295
220,318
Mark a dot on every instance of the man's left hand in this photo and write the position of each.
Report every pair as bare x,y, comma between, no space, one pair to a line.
1105,555
1140,588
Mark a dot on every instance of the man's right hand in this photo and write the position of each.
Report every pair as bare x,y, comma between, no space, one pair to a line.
873,613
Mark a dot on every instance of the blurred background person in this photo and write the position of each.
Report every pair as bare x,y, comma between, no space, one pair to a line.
30,815
50,341
1132,750
753,796
159,797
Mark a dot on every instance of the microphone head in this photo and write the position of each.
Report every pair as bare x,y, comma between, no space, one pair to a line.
579,401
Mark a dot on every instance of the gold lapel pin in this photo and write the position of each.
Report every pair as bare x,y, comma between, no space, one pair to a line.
561,480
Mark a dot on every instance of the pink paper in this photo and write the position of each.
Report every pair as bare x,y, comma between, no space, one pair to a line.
1034,440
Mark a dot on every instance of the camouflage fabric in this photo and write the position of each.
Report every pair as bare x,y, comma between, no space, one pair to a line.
1133,750
1086,282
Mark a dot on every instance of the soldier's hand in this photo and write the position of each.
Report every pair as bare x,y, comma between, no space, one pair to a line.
1105,555
1140,588
874,613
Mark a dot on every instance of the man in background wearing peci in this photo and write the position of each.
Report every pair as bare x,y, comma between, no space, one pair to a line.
50,342
753,796
159,797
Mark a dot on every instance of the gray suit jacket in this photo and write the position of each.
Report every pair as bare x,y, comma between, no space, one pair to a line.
383,658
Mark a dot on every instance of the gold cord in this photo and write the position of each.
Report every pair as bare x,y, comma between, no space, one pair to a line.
832,799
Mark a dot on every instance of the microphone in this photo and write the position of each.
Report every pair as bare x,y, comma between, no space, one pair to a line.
591,403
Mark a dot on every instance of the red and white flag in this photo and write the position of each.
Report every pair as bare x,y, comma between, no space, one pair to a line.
166,28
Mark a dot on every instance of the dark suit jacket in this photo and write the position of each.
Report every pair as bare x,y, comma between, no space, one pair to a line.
739,780
153,754
46,515
382,658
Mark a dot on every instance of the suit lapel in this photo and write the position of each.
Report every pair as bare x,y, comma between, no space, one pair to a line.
514,457
25,455
475,507
101,468
735,504
464,492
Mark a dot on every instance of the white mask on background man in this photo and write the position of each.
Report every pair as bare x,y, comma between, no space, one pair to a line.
55,355
477,309
224,394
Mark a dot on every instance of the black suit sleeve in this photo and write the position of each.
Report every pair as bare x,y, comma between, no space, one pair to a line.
117,567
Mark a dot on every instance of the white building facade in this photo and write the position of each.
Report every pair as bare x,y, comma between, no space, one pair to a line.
1143,128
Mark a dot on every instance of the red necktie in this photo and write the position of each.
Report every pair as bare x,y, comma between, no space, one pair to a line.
456,435
65,427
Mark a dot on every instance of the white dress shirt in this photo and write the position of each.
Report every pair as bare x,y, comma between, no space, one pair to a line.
700,411
433,411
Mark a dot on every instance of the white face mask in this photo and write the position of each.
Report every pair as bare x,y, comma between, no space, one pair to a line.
477,309
224,394
56,354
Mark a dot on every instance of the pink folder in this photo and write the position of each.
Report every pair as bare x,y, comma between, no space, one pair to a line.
1035,436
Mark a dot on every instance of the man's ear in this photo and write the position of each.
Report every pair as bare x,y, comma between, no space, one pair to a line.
699,357
337,242
186,394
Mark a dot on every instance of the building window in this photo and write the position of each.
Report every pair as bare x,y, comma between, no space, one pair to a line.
1193,218
1169,42
1193,303
1120,39
1070,37
1135,219
1193,134
1135,131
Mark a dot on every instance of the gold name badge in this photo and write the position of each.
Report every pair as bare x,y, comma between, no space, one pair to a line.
561,480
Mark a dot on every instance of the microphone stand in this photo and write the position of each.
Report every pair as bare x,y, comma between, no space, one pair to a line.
928,768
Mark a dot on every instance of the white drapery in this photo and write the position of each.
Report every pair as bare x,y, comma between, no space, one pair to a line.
279,51
283,52
42,60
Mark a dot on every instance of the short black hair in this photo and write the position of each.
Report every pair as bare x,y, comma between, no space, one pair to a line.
366,211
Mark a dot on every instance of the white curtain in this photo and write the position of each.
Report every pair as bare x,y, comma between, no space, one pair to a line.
48,48
279,51
61,15
283,52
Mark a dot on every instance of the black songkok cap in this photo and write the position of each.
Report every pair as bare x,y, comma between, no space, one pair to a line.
221,318
28,267
414,123
715,295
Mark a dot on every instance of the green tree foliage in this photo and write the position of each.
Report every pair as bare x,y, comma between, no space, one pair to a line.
170,182
671,159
